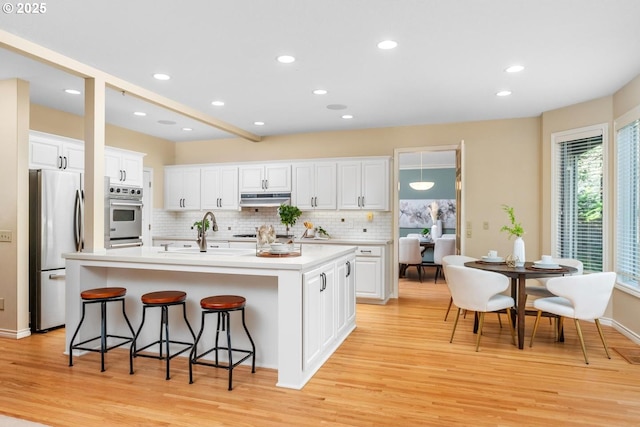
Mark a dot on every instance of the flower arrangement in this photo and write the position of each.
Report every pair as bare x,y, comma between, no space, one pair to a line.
516,228
433,211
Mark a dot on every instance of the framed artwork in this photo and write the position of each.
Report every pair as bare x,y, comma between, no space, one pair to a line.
416,213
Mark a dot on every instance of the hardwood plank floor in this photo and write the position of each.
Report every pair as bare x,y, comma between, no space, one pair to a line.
396,369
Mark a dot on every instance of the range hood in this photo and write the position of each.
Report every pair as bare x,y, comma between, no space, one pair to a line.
255,200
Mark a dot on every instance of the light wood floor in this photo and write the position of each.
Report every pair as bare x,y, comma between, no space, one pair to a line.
396,369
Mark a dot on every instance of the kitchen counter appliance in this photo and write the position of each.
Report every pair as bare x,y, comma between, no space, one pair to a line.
122,215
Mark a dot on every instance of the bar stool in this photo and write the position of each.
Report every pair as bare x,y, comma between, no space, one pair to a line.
164,300
100,296
223,305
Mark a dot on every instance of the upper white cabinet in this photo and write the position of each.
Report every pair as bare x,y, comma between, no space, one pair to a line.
123,166
55,152
314,185
363,184
274,178
182,188
219,188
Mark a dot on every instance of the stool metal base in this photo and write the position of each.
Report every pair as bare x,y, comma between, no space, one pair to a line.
225,322
163,339
103,331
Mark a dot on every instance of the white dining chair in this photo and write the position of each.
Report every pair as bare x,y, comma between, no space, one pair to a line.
538,287
442,247
459,260
409,255
583,297
479,291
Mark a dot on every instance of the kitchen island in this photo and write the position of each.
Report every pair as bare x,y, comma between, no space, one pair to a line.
299,309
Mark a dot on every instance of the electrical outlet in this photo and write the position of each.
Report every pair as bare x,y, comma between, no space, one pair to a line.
468,232
5,236
485,225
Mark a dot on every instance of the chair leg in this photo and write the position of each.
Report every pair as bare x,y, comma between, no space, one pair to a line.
454,325
513,330
480,330
535,327
584,349
448,309
419,267
604,343
499,319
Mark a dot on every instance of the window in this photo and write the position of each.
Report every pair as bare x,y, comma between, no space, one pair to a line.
579,196
627,199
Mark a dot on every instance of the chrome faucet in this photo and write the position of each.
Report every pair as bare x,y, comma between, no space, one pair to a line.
202,239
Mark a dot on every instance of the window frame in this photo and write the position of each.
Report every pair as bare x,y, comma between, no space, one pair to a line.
601,129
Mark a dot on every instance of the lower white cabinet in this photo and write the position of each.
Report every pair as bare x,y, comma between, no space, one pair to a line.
345,293
179,244
319,312
371,273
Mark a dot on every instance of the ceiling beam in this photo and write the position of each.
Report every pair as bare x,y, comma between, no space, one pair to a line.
47,56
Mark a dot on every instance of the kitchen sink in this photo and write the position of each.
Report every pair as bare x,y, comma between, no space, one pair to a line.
210,251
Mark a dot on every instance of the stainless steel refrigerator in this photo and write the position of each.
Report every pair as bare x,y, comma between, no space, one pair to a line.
55,227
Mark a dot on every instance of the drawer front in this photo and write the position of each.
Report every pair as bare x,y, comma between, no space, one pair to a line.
369,251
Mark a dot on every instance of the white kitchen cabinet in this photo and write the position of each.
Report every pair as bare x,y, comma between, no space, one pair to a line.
219,188
363,184
314,185
123,166
345,293
55,152
319,304
371,273
273,178
181,188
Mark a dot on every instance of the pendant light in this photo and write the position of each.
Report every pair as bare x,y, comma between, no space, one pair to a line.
421,185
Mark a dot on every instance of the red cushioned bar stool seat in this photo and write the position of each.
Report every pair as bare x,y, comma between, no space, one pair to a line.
222,305
162,300
101,296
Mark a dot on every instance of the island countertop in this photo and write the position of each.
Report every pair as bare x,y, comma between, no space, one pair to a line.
299,309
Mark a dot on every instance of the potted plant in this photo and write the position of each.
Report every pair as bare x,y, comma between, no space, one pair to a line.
289,214
198,225
515,230
322,233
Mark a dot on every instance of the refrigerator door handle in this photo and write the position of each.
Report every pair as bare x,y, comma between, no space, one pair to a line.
77,221
57,276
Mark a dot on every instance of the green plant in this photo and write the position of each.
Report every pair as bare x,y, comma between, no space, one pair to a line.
426,231
322,231
289,214
516,228
198,225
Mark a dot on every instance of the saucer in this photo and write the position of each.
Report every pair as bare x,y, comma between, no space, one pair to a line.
540,264
490,259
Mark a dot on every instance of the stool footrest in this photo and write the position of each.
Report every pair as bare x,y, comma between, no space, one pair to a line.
138,353
80,345
196,360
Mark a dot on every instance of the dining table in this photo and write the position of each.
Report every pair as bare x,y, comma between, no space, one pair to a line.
519,276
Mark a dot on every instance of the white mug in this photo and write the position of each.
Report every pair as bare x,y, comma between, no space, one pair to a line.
547,259
493,254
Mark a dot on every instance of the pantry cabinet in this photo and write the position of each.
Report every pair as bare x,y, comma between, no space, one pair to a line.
314,185
181,188
219,188
363,184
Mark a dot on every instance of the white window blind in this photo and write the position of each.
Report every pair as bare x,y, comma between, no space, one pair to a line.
579,200
628,200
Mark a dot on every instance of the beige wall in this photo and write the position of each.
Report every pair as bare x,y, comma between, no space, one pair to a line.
14,213
159,152
502,165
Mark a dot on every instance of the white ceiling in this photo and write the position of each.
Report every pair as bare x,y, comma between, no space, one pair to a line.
448,65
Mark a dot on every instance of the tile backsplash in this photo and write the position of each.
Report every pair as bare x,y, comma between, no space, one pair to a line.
339,224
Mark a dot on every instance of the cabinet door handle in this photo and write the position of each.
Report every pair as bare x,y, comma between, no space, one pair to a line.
315,202
323,285
363,251
348,269
59,162
266,184
125,175
363,201
65,162
359,201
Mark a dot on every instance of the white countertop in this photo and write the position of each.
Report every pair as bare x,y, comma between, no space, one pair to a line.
330,241
311,256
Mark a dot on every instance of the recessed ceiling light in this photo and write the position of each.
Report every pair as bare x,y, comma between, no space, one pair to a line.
286,59
139,113
387,44
320,92
72,91
514,69
347,116
161,76
258,123
217,103
187,129
504,93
